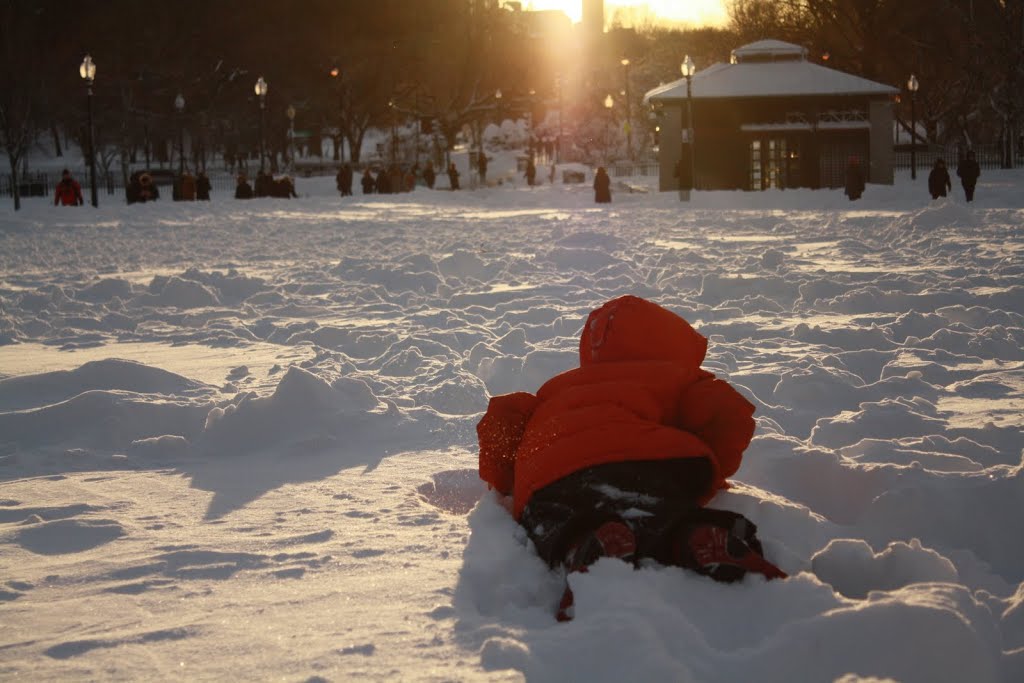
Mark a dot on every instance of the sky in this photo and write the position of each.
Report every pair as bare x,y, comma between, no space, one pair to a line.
694,12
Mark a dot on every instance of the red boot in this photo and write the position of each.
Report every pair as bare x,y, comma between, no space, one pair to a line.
611,539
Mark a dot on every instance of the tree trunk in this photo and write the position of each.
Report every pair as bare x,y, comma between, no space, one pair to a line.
14,182
355,144
56,140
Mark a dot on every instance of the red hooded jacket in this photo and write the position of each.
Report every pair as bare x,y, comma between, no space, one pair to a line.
639,394
68,193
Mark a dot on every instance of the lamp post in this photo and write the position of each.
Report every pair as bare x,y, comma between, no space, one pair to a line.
629,111
912,86
608,104
688,68
558,142
88,73
394,132
290,111
179,105
529,130
261,91
335,72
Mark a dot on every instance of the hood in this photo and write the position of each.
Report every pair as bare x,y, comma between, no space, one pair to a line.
630,328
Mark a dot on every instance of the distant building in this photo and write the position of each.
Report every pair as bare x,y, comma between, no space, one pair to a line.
593,17
770,118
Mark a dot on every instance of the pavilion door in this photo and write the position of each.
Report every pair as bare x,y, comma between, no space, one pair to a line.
774,162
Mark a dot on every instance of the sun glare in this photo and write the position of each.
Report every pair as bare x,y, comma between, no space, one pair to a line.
693,12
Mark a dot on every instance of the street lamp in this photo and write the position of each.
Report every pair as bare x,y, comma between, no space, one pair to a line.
88,73
629,111
689,69
394,132
179,105
335,72
261,90
912,86
529,119
290,111
608,104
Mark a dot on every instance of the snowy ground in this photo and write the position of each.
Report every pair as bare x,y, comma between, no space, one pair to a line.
237,438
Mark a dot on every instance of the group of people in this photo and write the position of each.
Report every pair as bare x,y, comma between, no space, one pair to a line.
390,180
141,189
939,182
266,185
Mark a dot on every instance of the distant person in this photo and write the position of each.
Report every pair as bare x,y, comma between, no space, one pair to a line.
148,191
283,187
396,179
383,182
602,186
453,176
531,173
968,171
243,190
262,186
202,187
346,180
368,183
481,166
343,180
187,187
69,192
429,176
854,179
938,180
551,175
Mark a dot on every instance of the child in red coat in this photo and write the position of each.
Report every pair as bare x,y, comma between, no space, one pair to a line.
617,457
68,192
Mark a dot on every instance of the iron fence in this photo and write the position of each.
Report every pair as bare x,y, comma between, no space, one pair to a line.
987,156
632,170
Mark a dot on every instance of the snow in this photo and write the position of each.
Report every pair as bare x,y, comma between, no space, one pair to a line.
237,438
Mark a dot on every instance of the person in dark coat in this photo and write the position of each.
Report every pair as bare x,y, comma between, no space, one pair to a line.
383,183
453,176
938,180
69,192
531,173
202,187
147,190
481,166
968,171
368,182
243,190
602,186
346,180
854,179
429,176
262,185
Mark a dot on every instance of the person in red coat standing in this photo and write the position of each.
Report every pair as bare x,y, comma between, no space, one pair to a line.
69,192
616,458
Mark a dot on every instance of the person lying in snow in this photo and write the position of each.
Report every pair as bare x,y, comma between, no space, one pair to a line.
617,457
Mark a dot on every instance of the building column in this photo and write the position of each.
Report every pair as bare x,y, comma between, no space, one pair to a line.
670,146
880,170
